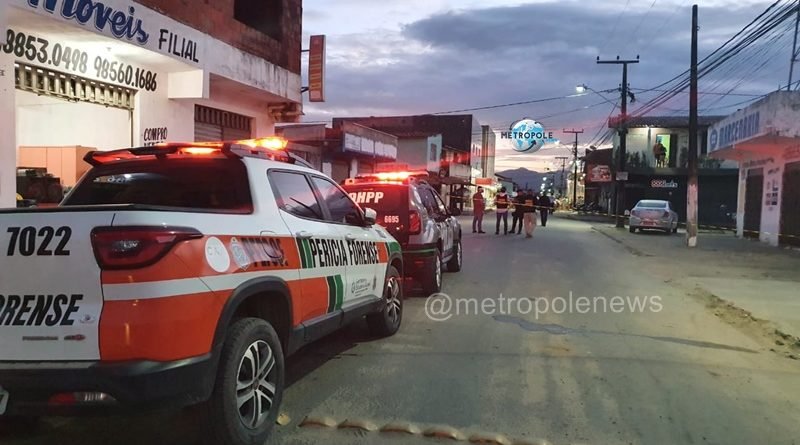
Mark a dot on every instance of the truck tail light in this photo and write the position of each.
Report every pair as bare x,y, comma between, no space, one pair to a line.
414,223
136,247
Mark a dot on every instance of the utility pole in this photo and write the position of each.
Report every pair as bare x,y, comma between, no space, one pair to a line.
575,167
562,186
691,195
622,128
794,48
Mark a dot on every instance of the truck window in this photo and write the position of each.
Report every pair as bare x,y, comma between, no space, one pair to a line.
197,184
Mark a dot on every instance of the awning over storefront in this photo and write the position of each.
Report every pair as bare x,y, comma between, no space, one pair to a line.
757,148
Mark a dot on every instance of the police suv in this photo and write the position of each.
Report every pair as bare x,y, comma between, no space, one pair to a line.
182,274
414,213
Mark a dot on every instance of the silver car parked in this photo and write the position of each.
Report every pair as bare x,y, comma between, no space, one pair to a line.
653,214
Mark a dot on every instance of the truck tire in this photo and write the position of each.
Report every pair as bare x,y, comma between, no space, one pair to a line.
433,279
250,374
454,265
386,322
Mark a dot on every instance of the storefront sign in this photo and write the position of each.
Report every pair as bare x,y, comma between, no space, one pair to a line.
153,136
599,173
126,21
734,130
121,24
663,184
36,49
316,69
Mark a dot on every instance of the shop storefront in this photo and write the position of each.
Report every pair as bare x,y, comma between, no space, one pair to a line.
765,139
87,75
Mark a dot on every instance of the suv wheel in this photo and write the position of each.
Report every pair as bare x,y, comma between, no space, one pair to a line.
433,282
247,395
454,265
387,321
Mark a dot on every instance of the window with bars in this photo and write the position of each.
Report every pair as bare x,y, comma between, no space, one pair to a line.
71,88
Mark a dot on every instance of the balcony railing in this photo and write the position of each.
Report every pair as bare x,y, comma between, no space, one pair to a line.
641,159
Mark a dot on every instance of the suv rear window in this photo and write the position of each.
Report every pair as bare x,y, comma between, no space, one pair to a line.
197,184
380,198
652,204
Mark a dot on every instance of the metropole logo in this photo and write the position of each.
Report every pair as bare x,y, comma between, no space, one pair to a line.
527,135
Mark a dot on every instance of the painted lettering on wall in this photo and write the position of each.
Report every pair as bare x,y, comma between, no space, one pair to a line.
178,46
153,136
733,132
120,24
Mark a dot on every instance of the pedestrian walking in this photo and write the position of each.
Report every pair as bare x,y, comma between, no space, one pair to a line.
529,214
519,205
478,207
502,202
545,206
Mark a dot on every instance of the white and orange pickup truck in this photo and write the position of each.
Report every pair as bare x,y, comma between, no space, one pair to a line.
182,274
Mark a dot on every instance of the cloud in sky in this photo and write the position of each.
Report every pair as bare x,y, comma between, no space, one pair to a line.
395,57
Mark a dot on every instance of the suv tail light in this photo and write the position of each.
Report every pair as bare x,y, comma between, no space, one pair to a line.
634,213
666,214
136,247
414,223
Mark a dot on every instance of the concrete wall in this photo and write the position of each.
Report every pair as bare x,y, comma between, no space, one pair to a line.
414,152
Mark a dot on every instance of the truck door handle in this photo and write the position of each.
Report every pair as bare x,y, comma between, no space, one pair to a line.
303,234
350,237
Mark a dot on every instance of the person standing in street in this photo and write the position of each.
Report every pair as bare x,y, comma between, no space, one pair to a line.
502,201
478,207
544,208
529,213
519,204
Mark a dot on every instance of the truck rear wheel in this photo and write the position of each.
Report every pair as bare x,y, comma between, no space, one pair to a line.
247,395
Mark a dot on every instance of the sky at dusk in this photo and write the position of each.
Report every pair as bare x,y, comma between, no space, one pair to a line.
396,57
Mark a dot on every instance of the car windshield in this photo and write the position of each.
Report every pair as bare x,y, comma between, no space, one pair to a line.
411,222
652,205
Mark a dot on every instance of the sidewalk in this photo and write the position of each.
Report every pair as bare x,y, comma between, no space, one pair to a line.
756,278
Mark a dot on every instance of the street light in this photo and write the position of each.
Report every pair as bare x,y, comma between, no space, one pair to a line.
580,89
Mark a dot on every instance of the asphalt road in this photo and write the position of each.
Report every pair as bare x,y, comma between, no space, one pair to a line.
672,373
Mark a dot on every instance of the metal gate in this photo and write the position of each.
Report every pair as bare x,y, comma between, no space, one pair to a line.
71,88
211,124
753,201
790,205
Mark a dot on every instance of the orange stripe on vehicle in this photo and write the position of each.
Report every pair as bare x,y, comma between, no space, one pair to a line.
383,253
311,299
188,260
160,329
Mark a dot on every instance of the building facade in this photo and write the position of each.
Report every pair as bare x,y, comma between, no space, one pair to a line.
342,152
764,138
89,75
667,180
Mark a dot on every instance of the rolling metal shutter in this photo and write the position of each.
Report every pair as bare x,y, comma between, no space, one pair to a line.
47,82
211,124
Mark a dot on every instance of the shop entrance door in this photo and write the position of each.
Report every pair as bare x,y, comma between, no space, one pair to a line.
753,201
790,205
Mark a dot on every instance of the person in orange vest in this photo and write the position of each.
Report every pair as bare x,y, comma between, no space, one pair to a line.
501,202
478,207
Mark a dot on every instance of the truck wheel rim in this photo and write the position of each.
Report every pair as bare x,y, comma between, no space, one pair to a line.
393,304
255,385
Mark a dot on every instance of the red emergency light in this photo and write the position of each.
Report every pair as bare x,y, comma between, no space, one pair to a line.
398,177
273,148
